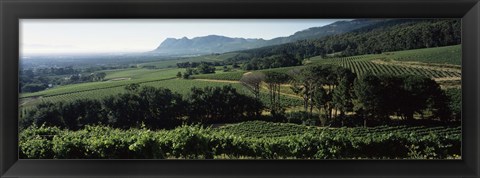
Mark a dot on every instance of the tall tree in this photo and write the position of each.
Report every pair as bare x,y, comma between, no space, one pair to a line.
274,80
253,81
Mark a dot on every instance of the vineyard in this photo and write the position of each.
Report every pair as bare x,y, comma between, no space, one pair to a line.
364,67
250,140
258,129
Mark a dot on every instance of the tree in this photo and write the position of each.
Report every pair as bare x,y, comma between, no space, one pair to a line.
100,76
179,74
132,87
327,88
342,97
154,107
47,114
225,68
161,107
274,80
205,68
303,84
367,91
379,97
33,87
186,75
79,113
74,78
124,110
253,81
220,105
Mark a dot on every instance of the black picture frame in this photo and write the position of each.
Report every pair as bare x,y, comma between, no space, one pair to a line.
13,10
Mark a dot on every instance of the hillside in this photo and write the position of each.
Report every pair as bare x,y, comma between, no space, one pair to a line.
394,35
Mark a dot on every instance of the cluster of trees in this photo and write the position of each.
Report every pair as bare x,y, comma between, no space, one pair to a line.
155,108
51,71
335,91
196,64
202,68
392,35
327,88
284,59
379,97
92,77
33,80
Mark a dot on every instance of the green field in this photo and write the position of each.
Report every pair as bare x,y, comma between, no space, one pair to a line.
441,55
141,73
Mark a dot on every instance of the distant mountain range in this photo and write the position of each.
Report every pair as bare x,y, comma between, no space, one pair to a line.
221,44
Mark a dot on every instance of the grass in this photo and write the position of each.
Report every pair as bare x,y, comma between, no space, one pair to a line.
440,55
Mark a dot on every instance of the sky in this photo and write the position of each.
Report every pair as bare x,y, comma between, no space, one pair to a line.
56,36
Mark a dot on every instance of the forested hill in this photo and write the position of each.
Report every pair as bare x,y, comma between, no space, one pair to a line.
221,44
390,35
336,28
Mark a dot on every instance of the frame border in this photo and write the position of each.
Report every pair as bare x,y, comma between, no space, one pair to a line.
13,10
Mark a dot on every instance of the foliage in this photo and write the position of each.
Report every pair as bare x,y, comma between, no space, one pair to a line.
251,140
154,107
455,102
412,94
220,105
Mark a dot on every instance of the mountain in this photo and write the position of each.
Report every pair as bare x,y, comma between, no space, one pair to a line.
220,44
206,45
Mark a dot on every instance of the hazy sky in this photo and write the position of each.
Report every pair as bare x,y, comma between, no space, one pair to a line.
141,35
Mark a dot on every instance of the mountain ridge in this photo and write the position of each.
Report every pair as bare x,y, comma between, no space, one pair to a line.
220,44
